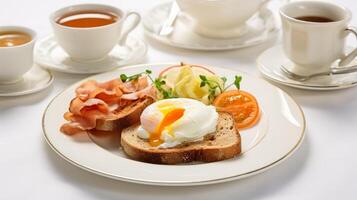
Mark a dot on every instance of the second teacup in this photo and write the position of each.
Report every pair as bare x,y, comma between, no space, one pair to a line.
314,35
88,32
16,52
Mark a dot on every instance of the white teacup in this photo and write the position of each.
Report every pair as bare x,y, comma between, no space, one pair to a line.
92,43
220,18
314,46
16,60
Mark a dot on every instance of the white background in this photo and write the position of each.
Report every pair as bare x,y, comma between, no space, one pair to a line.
325,167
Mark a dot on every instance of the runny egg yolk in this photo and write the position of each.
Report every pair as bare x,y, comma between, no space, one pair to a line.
171,114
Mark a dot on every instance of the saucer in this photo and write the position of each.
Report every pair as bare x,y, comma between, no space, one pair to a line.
50,55
33,81
260,28
269,63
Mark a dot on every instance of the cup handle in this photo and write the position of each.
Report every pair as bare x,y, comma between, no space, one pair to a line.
348,58
132,26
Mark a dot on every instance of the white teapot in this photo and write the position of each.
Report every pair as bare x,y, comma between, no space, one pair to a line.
220,18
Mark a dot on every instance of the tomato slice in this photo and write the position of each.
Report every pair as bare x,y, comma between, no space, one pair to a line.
241,105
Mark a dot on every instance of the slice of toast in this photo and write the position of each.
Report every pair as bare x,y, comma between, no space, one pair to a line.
126,117
225,144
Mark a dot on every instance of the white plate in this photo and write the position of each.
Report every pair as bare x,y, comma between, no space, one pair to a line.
278,134
269,63
260,28
35,80
51,56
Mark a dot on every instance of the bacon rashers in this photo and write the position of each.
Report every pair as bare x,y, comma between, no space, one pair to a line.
96,100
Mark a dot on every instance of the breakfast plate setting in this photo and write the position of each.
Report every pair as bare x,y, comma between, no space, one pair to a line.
274,137
178,123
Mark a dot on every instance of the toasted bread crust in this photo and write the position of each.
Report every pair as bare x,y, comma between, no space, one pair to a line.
127,117
225,145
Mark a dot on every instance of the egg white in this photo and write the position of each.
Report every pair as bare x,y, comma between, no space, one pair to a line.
197,121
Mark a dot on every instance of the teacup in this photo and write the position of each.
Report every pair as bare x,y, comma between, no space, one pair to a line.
91,42
16,52
314,35
220,18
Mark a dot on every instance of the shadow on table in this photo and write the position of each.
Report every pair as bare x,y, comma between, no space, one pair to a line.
255,187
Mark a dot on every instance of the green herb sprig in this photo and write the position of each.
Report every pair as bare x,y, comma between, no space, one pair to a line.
167,93
213,85
159,83
236,82
125,78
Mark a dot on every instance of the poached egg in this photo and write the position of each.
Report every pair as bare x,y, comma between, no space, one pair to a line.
171,122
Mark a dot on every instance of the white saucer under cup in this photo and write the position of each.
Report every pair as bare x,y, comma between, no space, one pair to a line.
35,80
51,56
270,62
259,28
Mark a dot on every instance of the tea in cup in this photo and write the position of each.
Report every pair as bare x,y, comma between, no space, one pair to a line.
314,35
16,52
88,32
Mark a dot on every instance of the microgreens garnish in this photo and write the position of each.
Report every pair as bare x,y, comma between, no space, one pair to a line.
125,78
236,82
213,85
224,79
166,92
159,83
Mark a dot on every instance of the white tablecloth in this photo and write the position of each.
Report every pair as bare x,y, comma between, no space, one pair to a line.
325,167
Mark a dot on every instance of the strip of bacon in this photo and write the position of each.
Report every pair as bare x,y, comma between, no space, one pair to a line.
71,128
95,101
148,91
135,85
108,91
